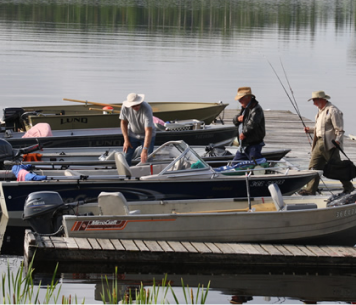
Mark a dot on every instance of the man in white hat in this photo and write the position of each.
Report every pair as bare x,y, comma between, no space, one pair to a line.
137,126
329,125
251,124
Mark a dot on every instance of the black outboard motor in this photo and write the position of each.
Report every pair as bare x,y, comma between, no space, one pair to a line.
7,153
44,211
12,118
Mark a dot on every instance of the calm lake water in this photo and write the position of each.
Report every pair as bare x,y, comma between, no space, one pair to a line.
184,51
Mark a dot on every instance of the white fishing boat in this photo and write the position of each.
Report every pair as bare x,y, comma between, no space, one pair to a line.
184,176
275,219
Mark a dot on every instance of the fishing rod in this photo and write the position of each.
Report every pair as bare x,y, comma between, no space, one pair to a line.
294,106
297,111
290,88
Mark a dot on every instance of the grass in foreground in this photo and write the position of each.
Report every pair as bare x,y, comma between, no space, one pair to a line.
19,289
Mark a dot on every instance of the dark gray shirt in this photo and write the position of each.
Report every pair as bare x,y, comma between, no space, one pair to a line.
138,120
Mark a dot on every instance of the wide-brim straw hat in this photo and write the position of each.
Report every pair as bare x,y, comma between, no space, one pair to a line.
243,91
319,94
133,99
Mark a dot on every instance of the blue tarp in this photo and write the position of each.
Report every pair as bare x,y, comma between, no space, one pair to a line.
241,165
29,176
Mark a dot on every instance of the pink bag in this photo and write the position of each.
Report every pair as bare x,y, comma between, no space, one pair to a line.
39,130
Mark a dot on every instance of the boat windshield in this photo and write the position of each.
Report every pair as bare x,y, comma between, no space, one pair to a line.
167,152
186,161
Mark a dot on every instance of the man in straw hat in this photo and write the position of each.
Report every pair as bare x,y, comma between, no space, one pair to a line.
251,124
329,125
137,126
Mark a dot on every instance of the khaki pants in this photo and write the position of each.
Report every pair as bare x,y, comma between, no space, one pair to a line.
319,157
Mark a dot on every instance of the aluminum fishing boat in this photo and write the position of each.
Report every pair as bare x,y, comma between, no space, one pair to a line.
87,115
187,176
275,219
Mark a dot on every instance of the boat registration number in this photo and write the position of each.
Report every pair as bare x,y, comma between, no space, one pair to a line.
266,183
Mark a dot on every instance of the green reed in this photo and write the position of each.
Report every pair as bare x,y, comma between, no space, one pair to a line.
150,296
19,289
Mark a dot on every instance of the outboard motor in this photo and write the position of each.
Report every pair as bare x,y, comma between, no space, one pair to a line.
12,118
7,153
44,211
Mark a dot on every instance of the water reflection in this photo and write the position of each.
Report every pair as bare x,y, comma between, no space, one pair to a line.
244,285
176,17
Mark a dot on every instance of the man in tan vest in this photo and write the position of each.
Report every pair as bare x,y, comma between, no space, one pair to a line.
329,125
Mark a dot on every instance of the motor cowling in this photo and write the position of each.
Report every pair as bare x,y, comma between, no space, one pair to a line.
12,118
41,211
6,150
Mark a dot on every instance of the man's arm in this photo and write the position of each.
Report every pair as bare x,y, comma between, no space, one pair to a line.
146,144
124,128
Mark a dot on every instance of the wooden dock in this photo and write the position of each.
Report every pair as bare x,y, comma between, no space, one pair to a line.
190,255
284,131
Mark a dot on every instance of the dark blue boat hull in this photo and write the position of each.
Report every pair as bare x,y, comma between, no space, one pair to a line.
15,193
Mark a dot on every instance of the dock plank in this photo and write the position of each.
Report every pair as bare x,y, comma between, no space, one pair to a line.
260,249
294,250
94,243
59,242
70,242
224,248
238,249
343,251
250,249
190,248
283,250
165,246
129,245
271,249
83,243
47,242
177,246
105,244
213,248
318,251
153,246
202,248
117,244
306,251
140,244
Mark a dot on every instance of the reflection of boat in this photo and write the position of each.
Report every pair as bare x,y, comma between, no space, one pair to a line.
61,117
288,220
319,285
186,177
217,134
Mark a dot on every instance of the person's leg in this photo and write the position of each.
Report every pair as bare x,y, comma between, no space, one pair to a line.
239,156
317,162
254,151
130,151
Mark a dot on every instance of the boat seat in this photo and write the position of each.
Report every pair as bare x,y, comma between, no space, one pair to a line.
121,165
70,172
276,196
114,204
279,203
